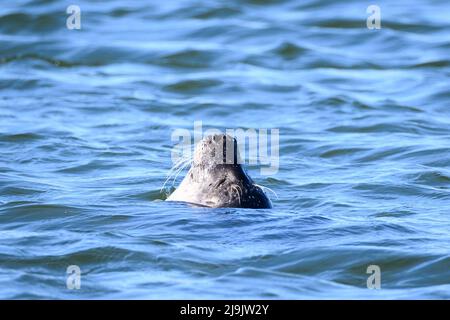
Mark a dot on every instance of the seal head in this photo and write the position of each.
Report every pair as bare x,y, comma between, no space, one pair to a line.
217,179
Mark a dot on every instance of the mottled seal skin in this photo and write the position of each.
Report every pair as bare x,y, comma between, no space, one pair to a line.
217,179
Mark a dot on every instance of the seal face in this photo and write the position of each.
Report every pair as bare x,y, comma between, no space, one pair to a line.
217,179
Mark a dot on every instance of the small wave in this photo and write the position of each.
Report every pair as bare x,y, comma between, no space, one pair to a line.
380,127
190,59
288,50
193,86
91,166
25,211
18,23
342,152
221,12
432,178
20,137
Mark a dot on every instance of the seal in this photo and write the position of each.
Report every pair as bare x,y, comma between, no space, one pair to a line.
217,179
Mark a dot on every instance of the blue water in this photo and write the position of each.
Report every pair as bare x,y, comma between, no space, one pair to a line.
86,118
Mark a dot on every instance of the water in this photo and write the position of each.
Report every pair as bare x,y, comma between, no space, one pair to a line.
86,118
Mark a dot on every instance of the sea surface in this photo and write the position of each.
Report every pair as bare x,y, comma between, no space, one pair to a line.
86,118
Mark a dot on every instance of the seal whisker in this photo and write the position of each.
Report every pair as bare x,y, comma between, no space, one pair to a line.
238,191
170,173
180,170
177,167
264,189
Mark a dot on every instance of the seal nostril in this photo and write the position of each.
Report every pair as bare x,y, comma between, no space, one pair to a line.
221,182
